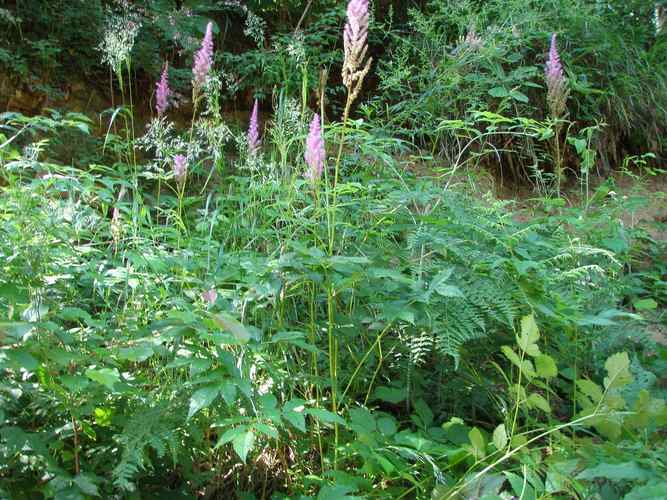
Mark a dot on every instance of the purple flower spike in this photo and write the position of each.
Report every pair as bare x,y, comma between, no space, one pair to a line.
180,168
355,35
557,91
315,154
210,296
356,28
254,142
162,92
203,59
554,68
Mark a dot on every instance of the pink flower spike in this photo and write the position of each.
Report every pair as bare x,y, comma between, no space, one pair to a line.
210,296
180,168
356,28
557,89
203,59
162,92
254,141
315,154
553,68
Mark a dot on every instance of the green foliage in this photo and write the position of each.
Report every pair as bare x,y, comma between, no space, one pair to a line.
242,330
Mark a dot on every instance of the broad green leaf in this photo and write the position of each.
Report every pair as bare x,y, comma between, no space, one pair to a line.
324,415
478,443
108,377
500,437
545,366
228,391
20,358
202,398
86,484
230,434
518,96
233,326
243,444
644,492
499,92
293,413
537,401
526,366
529,335
618,371
392,395
590,389
136,353
628,471
645,305
387,425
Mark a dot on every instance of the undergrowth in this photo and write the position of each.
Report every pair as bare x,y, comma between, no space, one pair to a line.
203,314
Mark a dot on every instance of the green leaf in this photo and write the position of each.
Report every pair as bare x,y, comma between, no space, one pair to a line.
628,471
20,358
590,389
392,395
135,353
86,484
526,366
545,366
243,444
108,377
652,490
499,92
228,391
518,96
387,425
478,443
618,371
529,335
537,401
645,305
293,413
233,326
202,398
500,437
324,415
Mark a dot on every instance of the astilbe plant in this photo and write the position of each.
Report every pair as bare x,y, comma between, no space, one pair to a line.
355,35
315,153
254,141
557,94
162,92
557,91
180,168
203,60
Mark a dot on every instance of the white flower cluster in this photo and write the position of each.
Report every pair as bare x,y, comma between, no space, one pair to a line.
254,28
119,34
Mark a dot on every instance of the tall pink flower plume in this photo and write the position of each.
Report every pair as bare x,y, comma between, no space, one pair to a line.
180,168
203,58
557,91
162,92
210,296
356,28
254,141
553,68
355,35
315,154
